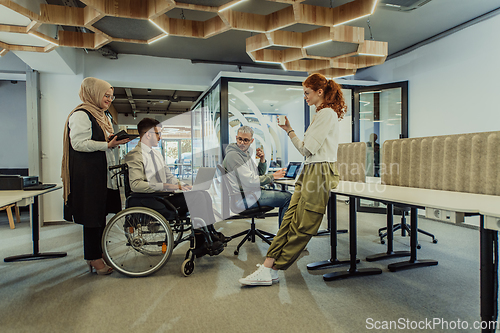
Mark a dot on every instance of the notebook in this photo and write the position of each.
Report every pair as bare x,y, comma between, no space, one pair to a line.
203,179
292,170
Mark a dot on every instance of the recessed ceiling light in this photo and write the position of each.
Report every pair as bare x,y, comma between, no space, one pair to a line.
323,42
234,4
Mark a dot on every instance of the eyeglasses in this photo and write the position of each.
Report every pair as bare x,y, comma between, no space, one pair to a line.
243,140
111,97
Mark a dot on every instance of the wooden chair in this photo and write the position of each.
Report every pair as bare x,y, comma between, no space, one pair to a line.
8,208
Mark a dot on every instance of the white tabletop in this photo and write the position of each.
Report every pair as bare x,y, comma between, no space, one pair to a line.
446,200
289,182
10,197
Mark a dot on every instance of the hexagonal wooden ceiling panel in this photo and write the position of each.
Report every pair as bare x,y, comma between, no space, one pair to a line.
297,34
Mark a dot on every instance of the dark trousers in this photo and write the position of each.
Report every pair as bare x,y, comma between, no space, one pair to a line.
197,203
92,248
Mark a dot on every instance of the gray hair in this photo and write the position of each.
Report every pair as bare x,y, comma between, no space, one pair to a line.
245,129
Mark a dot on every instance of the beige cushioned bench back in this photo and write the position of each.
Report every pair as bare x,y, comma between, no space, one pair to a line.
463,162
351,159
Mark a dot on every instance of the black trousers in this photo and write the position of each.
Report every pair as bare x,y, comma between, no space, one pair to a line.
197,203
92,248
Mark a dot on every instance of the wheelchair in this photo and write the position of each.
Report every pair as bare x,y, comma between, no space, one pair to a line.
138,240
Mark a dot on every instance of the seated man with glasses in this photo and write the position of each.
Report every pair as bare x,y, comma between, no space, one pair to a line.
148,173
250,178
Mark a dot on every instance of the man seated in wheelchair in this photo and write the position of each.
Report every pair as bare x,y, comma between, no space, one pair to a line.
148,173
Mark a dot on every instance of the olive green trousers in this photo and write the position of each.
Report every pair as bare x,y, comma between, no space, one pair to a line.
305,212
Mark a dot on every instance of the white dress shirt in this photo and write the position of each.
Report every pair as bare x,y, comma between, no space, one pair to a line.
163,170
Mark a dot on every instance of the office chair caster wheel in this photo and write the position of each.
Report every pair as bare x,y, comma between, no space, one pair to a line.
187,267
418,246
236,252
382,241
435,241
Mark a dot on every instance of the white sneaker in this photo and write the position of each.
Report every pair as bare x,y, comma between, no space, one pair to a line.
274,276
261,277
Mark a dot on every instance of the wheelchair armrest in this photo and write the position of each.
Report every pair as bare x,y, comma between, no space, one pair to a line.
167,203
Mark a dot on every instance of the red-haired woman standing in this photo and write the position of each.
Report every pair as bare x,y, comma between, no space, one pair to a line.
320,174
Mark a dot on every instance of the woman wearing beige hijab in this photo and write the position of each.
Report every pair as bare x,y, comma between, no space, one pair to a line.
89,192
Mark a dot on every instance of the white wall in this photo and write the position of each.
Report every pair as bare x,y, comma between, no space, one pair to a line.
59,95
14,149
165,73
12,68
453,82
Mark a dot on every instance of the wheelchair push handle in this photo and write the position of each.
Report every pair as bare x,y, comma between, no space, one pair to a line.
118,166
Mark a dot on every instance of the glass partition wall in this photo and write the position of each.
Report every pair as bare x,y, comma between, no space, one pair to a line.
382,114
375,114
233,102
258,105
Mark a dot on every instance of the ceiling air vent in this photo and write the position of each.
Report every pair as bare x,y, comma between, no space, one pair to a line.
403,5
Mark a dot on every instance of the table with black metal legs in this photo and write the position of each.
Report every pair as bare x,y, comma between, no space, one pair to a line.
390,240
332,226
488,256
353,270
486,206
19,196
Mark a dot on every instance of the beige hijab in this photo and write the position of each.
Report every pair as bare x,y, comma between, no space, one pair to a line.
91,93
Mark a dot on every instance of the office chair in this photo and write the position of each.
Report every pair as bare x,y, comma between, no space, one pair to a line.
403,210
256,212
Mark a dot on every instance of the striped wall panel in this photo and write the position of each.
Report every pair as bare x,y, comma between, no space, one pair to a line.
351,158
463,162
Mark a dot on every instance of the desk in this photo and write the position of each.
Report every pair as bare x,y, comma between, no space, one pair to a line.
25,197
437,199
284,182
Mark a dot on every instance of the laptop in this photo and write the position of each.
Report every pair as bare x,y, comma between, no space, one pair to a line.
39,187
292,170
203,179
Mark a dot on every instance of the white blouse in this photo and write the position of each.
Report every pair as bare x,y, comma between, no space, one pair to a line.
321,139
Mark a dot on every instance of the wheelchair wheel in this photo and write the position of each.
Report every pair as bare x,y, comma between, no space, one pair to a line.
187,267
137,241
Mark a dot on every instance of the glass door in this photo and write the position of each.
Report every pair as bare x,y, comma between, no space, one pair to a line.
382,114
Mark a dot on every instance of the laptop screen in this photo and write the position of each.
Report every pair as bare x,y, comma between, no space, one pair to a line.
293,169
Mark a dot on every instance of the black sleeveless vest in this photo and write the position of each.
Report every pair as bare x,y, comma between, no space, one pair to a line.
90,200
